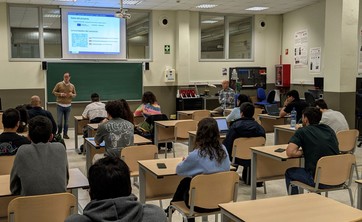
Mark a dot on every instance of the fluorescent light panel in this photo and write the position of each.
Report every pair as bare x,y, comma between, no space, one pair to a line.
209,22
206,6
257,8
131,2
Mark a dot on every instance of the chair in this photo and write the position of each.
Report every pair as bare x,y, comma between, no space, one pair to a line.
181,132
200,114
309,98
132,154
49,207
208,191
347,140
335,170
265,100
151,121
6,164
257,111
241,150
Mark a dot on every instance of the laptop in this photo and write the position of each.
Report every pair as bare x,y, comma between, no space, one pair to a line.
222,125
272,109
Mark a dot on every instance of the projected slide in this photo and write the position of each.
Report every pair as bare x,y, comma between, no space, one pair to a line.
93,33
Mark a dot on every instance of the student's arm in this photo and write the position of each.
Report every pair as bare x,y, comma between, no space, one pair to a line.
282,113
293,150
138,111
100,134
15,183
188,166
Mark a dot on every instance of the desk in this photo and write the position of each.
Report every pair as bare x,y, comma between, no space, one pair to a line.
192,139
282,133
76,180
157,184
91,149
268,121
164,130
266,164
187,114
359,194
79,123
296,208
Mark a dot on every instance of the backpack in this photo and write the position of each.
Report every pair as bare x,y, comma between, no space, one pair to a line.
57,138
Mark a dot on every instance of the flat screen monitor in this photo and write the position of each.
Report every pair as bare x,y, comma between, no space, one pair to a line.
318,82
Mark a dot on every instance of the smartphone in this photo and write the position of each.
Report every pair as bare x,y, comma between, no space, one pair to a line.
161,166
279,150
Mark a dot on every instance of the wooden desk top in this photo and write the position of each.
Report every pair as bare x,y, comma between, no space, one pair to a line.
137,140
222,136
190,112
358,181
93,126
170,123
79,118
285,127
76,180
296,208
270,151
151,165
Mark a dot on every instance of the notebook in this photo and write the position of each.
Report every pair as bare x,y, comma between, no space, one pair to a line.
223,125
272,109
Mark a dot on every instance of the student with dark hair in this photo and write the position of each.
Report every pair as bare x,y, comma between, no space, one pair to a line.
293,102
111,197
209,156
24,117
10,141
126,111
235,113
246,126
149,106
118,131
40,167
331,118
316,140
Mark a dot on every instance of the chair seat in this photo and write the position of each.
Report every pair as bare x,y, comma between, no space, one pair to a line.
181,206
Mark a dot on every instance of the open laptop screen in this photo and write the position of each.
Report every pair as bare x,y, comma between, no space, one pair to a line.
222,124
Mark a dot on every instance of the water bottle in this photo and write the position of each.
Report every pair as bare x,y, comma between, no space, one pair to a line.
293,118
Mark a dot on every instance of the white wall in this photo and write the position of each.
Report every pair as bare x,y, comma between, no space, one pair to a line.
310,18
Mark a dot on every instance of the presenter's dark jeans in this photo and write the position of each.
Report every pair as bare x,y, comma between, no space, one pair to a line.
63,113
302,175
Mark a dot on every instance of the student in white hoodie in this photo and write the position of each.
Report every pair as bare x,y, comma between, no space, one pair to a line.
111,197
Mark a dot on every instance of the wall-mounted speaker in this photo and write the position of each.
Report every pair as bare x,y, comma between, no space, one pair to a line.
147,66
163,21
44,65
262,24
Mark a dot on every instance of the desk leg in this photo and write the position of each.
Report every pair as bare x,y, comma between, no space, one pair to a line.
227,217
359,196
253,176
142,184
276,136
76,133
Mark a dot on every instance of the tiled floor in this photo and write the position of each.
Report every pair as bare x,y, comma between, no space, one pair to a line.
274,188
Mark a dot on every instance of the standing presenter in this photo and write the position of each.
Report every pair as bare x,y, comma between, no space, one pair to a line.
65,92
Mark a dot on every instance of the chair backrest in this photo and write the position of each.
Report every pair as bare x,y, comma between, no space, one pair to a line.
49,207
200,114
182,128
151,119
260,94
241,146
271,96
257,111
347,140
6,164
207,191
131,154
309,98
335,169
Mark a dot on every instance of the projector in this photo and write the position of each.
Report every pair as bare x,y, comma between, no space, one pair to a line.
122,13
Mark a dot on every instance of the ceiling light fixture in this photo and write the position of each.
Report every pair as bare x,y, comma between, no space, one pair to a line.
257,8
206,6
209,22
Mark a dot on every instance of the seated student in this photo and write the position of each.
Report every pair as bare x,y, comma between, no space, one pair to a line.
24,117
209,156
10,141
246,126
95,111
235,113
293,102
36,110
148,108
118,131
111,196
332,118
40,167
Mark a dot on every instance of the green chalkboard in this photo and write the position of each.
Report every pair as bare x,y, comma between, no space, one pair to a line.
110,80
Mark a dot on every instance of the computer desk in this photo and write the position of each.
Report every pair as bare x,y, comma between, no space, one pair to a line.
266,164
296,208
76,181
